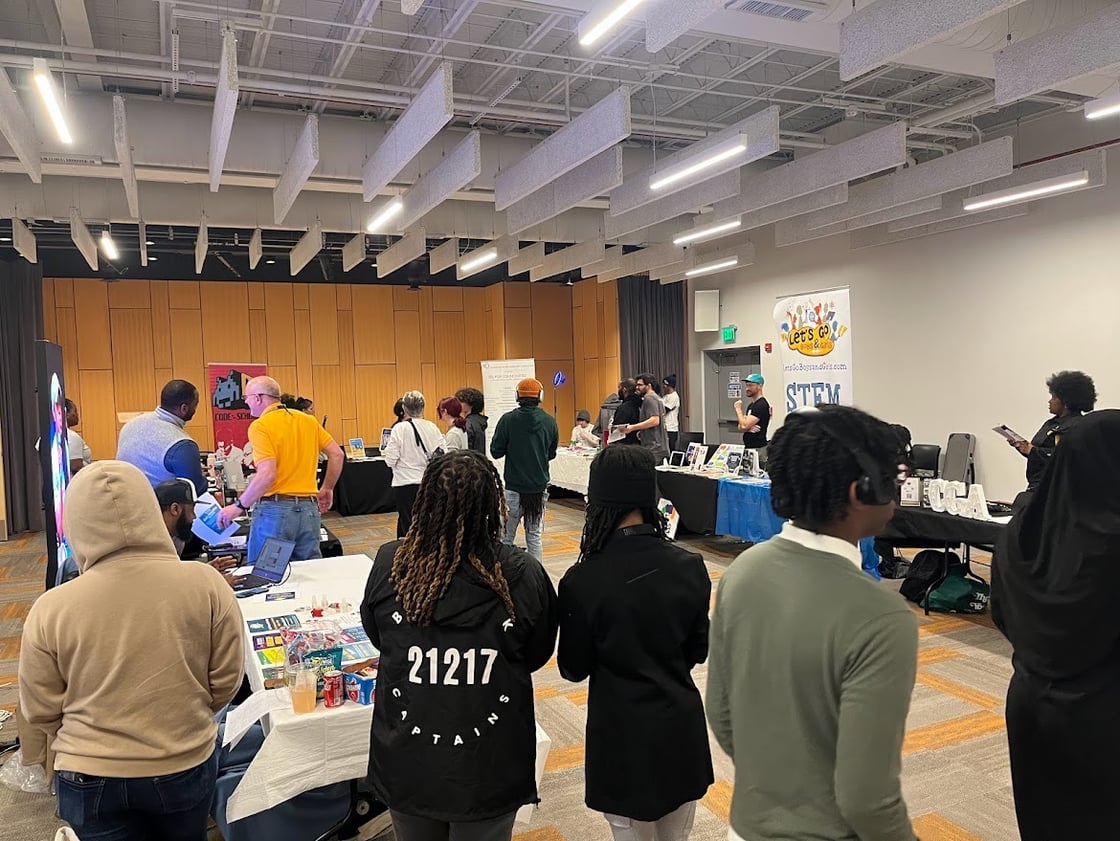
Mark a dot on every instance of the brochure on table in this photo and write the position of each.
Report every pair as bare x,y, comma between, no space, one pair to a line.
268,642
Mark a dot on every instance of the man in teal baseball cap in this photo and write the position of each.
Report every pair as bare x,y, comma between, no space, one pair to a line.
754,422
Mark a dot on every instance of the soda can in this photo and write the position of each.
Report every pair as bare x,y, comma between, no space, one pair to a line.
334,691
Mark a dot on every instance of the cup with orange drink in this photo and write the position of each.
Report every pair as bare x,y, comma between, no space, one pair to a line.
302,679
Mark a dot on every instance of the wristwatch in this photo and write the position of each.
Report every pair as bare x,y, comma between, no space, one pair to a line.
241,505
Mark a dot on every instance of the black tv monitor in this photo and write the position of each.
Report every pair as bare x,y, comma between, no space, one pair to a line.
54,455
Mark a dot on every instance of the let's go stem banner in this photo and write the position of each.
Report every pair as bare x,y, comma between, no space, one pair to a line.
815,335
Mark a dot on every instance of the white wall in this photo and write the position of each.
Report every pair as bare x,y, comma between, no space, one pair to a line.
955,332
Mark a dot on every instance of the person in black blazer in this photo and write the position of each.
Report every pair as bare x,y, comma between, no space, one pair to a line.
634,618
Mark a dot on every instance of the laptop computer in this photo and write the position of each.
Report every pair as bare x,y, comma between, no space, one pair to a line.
271,564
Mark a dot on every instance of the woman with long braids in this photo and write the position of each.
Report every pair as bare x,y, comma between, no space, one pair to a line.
462,622
634,618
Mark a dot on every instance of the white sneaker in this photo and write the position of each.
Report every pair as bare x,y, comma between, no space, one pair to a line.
375,826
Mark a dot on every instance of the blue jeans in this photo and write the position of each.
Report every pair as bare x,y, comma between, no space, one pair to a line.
174,807
296,520
533,528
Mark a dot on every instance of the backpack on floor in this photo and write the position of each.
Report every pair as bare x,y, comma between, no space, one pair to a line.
960,594
924,570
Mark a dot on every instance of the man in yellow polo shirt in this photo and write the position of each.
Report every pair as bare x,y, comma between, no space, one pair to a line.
286,447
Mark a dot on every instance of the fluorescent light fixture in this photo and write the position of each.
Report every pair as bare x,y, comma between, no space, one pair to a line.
387,212
225,106
256,247
603,125
502,249
595,24
1037,189
153,259
882,32
17,128
707,232
430,110
148,241
688,200
304,159
490,255
108,247
712,268
270,262
82,239
45,84
758,132
1107,106
353,252
662,180
875,200
124,157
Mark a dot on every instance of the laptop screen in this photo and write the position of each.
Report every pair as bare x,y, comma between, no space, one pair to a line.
273,559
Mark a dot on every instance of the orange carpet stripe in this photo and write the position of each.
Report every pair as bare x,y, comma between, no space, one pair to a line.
579,697
718,800
561,759
543,692
936,654
944,625
545,833
959,690
953,732
937,828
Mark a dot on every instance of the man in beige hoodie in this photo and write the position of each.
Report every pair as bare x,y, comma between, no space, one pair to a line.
122,669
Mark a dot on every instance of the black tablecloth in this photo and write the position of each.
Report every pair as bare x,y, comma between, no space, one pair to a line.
925,524
695,497
365,487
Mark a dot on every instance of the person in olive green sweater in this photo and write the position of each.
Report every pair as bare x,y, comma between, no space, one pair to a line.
812,662
527,439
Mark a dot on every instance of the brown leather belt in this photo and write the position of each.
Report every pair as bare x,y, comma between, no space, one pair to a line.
288,498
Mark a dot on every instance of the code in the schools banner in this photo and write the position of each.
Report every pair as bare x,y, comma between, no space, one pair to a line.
228,408
815,334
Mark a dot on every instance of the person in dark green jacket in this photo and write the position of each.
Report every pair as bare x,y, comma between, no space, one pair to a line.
812,662
527,439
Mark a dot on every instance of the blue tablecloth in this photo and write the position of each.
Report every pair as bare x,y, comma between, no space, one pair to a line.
744,511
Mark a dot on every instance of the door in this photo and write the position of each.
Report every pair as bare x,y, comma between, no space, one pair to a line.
724,372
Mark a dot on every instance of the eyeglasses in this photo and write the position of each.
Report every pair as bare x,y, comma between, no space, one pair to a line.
262,394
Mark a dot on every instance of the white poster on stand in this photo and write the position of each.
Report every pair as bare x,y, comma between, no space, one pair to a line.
815,334
499,387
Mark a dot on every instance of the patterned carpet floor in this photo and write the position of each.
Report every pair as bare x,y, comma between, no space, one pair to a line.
956,777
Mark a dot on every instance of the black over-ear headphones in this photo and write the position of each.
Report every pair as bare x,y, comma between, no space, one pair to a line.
872,487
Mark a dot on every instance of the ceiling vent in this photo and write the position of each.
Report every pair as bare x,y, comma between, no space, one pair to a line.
774,10
82,160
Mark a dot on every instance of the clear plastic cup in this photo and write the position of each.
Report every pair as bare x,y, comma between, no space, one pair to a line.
302,679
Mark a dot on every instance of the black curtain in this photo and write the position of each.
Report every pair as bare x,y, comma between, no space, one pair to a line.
21,323
651,328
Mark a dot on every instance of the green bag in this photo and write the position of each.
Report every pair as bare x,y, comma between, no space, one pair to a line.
959,594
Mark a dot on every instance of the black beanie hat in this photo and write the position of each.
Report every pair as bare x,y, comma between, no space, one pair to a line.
623,476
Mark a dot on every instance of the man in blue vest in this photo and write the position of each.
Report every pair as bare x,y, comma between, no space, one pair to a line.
157,443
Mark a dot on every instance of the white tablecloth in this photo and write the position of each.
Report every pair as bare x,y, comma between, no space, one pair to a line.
302,752
571,469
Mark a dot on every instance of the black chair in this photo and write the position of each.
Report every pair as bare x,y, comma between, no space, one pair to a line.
686,438
925,459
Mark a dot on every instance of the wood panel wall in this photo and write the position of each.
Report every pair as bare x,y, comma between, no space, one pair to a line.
353,349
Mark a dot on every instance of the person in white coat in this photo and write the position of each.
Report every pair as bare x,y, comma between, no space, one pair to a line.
412,444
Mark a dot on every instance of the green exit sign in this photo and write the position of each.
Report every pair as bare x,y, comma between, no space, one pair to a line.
729,333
